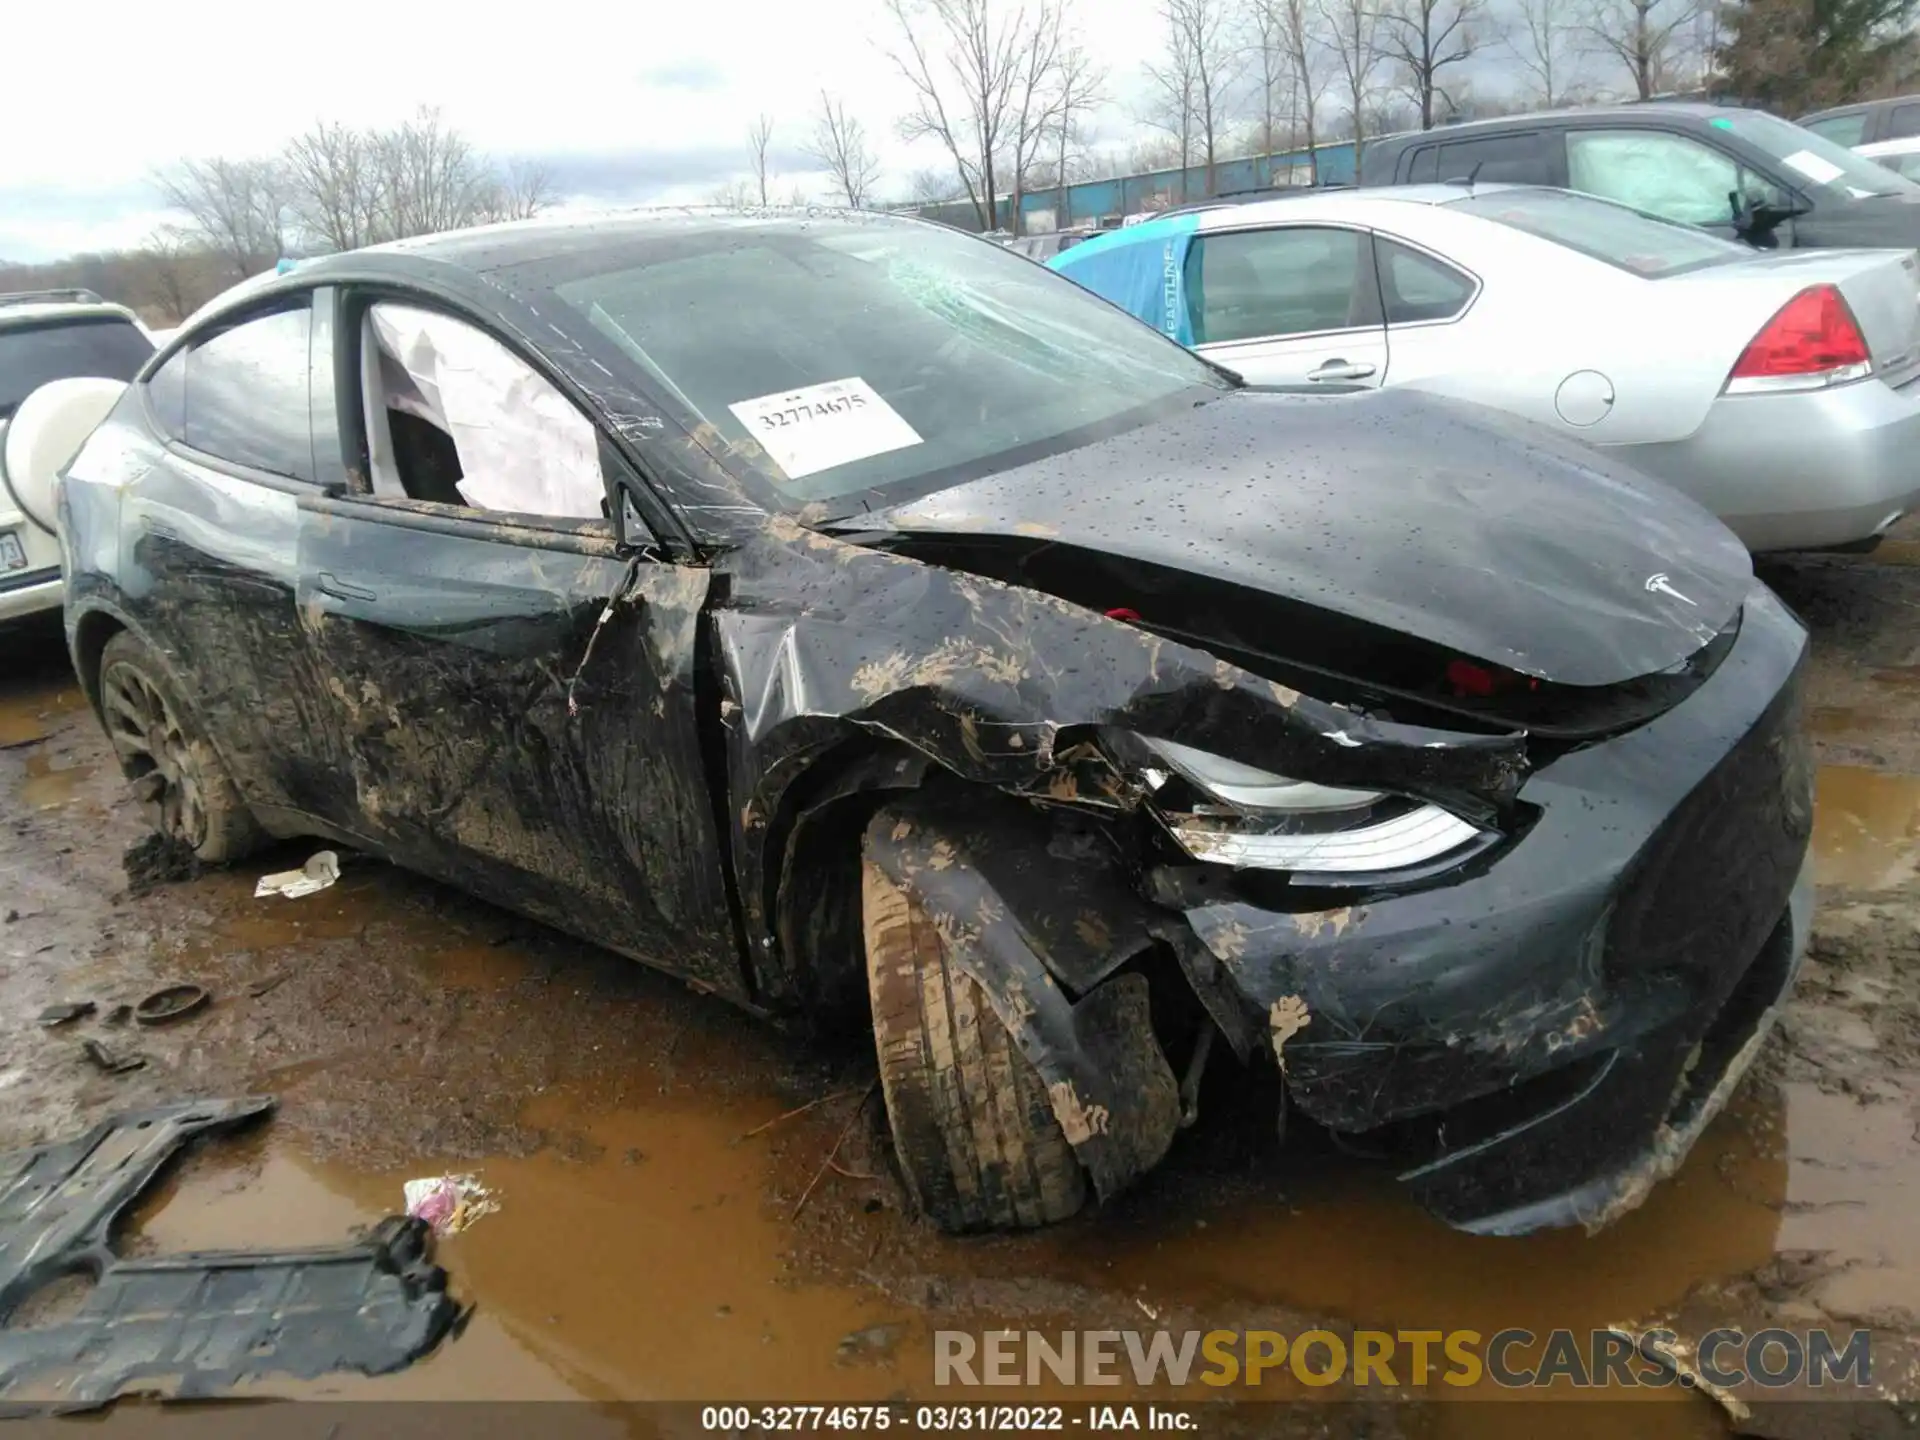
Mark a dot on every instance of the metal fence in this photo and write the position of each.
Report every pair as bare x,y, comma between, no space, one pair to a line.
1091,201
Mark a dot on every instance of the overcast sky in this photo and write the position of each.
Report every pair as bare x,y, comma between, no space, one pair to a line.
626,103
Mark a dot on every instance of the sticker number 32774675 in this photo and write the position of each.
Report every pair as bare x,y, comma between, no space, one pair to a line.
821,426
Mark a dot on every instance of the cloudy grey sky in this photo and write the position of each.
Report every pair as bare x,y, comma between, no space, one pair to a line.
626,103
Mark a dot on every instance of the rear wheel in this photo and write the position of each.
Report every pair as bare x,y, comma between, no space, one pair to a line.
976,1137
161,750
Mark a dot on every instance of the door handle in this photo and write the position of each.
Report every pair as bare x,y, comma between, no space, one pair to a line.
341,590
1342,370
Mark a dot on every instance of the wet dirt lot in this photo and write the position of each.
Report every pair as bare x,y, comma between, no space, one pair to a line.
670,1229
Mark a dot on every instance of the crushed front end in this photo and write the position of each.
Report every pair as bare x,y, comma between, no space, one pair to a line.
1540,1025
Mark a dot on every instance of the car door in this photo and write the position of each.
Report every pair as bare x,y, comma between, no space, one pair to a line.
1286,304
514,696
211,540
1673,176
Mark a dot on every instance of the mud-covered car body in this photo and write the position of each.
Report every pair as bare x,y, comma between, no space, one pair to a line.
1533,959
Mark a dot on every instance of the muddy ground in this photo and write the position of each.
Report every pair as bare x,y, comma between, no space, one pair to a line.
664,1233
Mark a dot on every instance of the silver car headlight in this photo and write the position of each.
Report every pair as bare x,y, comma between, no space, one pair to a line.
1235,814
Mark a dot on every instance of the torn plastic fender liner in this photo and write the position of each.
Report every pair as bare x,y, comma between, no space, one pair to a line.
190,1325
1109,1084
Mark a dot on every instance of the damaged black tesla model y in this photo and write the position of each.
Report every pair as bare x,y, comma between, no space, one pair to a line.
869,625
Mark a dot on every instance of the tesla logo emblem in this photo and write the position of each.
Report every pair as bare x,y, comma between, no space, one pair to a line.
1657,585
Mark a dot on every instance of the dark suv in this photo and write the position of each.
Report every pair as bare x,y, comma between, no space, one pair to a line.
1867,123
1740,173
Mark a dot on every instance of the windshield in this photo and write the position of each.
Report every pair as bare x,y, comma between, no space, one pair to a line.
1813,159
1601,230
31,355
840,357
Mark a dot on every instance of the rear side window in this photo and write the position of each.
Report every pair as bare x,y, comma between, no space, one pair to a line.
1418,288
33,355
1902,122
1256,284
1601,231
244,394
1521,159
1846,130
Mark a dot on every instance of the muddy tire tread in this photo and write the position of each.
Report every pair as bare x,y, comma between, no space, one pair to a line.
975,1134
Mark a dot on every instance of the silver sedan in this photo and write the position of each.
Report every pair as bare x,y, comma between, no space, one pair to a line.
1777,389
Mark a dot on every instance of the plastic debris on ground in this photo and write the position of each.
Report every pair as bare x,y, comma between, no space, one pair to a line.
317,874
449,1203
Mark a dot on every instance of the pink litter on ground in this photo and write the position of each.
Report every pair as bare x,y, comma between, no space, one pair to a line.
449,1203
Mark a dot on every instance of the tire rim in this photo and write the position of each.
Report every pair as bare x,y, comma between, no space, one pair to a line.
149,740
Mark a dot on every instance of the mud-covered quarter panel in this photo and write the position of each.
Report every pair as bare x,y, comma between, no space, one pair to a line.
822,642
204,568
1590,959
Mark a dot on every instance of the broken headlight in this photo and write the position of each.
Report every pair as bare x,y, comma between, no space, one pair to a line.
1222,811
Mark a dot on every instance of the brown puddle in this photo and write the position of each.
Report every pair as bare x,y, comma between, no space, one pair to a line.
643,1260
48,785
1866,827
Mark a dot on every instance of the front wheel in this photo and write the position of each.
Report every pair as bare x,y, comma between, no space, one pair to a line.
161,751
977,1140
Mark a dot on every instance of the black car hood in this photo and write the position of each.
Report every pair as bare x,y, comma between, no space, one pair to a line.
1451,523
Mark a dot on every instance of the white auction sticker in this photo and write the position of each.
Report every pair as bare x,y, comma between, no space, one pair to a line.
820,426
1816,168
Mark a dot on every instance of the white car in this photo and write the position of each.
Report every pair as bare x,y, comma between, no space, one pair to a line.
1777,389
46,336
1900,156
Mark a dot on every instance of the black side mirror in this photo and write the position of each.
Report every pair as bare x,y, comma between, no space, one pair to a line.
1755,218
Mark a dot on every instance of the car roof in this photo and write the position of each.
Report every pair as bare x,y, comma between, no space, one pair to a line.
1907,145
18,310
1640,110
1335,203
483,248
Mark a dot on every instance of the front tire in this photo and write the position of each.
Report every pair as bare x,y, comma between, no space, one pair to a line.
192,799
977,1140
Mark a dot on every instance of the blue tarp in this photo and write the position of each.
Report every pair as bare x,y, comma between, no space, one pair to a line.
1141,268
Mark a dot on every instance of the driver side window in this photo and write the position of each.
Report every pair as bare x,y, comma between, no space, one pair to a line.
456,418
1665,175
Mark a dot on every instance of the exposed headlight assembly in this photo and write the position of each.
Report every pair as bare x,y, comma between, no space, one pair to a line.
1234,814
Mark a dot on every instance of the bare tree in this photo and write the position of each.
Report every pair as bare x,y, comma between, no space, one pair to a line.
1541,40
1426,38
840,144
1035,96
964,60
1646,36
1082,87
333,186
431,178
1277,83
1195,80
933,187
736,194
172,283
1353,36
238,209
1297,22
521,191
758,139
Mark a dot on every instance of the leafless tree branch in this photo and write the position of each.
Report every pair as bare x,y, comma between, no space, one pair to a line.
840,144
